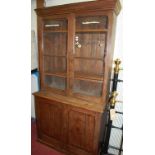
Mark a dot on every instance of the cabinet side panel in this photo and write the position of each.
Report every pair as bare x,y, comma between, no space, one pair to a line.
109,56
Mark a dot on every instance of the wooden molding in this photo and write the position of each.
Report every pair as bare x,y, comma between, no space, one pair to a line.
101,5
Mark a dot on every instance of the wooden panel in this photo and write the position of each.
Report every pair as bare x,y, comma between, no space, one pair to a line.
94,67
40,49
90,129
92,44
81,130
89,61
70,51
109,56
55,25
68,100
77,123
91,22
50,120
52,43
44,117
83,7
55,64
89,77
56,121
67,128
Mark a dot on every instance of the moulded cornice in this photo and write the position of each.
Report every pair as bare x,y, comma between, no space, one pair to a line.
102,5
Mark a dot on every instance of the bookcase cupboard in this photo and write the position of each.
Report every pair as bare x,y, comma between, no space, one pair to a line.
75,43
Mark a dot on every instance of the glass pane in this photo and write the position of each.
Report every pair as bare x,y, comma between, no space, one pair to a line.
54,64
55,25
55,82
55,43
91,22
87,88
92,44
91,67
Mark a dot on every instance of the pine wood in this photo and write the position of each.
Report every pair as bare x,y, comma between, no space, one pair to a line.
70,107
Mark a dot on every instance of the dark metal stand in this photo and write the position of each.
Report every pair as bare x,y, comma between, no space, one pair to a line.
111,105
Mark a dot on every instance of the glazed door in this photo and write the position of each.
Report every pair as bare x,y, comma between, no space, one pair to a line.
90,46
55,35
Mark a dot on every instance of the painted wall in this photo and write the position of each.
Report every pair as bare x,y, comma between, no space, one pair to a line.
33,16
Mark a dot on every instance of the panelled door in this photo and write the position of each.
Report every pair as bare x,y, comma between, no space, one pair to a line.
81,130
50,118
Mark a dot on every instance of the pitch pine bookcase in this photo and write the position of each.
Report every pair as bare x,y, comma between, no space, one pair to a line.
76,44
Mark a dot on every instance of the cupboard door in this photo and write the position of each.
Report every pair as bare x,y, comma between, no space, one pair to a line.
43,110
55,36
50,118
81,130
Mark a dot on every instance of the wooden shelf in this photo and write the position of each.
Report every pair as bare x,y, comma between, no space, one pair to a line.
54,55
88,77
55,31
89,58
91,30
59,74
79,30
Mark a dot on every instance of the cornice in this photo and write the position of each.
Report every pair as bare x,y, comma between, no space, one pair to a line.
103,5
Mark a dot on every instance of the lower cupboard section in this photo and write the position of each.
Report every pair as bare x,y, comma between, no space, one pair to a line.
68,129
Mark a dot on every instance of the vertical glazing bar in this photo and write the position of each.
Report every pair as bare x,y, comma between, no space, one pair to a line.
70,51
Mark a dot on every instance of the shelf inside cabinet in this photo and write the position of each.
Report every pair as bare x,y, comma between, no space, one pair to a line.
78,30
59,74
88,77
49,55
89,58
55,31
91,30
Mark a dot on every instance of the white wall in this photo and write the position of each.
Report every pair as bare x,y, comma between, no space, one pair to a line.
33,16
34,49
